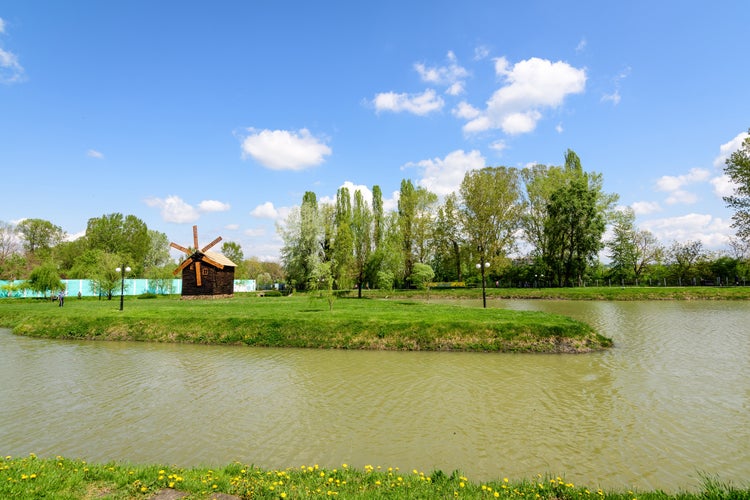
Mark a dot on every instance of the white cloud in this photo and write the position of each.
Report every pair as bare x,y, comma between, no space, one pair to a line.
645,207
284,149
93,153
174,209
712,231
452,75
681,196
723,186
443,176
614,96
213,206
581,45
465,111
529,87
481,52
265,211
559,128
673,182
232,227
2,26
268,211
726,149
418,104
498,146
255,232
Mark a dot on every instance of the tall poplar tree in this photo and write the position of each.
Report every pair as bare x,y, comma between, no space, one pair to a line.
737,167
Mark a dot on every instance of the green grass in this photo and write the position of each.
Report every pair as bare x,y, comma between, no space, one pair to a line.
302,321
62,478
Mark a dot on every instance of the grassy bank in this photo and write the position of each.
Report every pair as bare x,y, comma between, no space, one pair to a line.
63,478
300,321
582,293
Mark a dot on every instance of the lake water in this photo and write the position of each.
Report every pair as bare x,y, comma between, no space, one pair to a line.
669,402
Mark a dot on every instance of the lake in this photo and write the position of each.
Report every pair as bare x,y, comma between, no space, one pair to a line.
669,402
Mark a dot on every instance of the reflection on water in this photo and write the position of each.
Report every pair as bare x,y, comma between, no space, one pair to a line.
669,401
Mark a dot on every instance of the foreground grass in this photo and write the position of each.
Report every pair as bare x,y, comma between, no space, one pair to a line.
63,478
300,321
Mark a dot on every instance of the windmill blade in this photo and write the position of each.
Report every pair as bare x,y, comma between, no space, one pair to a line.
211,244
182,266
195,236
198,273
180,248
211,261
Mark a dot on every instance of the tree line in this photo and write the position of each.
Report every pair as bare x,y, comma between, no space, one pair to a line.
537,226
38,251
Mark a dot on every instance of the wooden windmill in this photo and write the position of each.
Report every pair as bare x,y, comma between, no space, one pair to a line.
205,273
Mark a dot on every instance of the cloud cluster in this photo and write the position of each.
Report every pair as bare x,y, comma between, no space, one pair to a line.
443,176
284,149
529,87
175,209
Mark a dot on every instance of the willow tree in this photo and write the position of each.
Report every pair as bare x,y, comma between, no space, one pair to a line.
491,209
301,234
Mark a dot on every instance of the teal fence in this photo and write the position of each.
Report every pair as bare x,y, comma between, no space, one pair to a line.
134,286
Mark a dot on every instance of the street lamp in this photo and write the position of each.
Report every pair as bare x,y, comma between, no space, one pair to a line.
122,271
484,293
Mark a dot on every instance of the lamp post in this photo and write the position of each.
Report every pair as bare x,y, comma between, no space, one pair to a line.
484,293
122,270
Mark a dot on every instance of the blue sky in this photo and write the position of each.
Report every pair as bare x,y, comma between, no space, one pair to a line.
223,114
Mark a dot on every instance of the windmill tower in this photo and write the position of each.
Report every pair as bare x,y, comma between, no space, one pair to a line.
205,274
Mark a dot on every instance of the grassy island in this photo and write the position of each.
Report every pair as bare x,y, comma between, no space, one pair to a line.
63,478
304,321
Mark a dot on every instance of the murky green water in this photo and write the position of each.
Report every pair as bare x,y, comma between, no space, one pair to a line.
670,401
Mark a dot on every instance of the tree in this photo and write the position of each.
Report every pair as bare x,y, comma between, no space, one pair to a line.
233,251
362,236
302,248
377,216
575,217
631,249
45,278
573,231
491,210
342,254
684,257
9,248
126,236
157,254
737,168
39,235
422,277
414,223
449,238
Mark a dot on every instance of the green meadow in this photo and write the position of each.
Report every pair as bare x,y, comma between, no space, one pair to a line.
344,322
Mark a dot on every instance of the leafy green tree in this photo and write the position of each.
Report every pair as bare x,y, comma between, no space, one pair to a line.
378,220
125,236
39,235
576,215
573,232
45,278
415,224
160,279
233,251
9,250
684,257
362,238
631,249
422,276
343,243
491,211
301,233
449,238
157,255
737,167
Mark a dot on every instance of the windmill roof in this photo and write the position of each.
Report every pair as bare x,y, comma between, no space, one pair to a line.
220,258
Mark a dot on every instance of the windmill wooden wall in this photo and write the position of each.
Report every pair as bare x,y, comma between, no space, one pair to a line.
215,282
